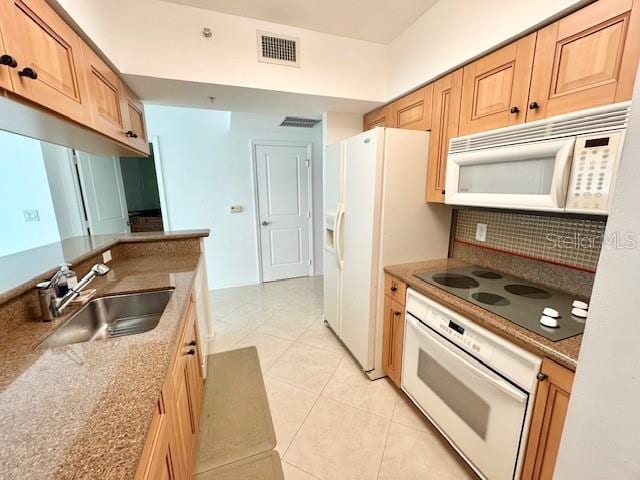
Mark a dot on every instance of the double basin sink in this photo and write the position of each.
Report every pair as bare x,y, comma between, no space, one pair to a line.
111,317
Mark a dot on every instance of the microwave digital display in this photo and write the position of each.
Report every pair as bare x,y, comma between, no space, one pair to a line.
596,142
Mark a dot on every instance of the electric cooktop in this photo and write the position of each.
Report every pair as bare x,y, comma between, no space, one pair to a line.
513,298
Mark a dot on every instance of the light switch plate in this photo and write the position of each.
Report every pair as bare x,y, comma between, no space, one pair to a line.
235,208
481,232
106,256
31,215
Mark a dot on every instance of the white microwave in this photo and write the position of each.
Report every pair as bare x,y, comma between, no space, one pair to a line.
566,163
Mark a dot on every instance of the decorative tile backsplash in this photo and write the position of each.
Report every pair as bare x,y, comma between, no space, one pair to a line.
573,242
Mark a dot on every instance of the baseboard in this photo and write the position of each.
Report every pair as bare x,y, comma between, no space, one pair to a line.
233,285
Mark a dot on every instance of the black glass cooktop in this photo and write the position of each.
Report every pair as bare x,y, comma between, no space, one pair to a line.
510,297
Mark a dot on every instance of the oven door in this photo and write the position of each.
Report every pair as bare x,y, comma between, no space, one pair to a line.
480,413
532,176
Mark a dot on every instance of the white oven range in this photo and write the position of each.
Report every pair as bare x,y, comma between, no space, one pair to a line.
474,386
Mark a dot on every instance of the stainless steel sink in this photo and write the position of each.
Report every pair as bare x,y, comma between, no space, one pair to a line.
110,317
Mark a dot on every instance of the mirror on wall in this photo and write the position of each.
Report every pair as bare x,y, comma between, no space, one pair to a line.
51,193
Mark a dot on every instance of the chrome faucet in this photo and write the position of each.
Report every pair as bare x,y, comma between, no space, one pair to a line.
51,305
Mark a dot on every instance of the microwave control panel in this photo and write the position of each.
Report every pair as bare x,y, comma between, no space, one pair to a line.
595,162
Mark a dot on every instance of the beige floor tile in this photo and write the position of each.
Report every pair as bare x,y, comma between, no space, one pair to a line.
269,348
338,442
317,335
249,316
306,367
289,407
225,335
350,385
407,414
286,324
421,455
294,473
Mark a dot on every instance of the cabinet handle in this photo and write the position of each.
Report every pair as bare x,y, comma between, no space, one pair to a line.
394,289
192,343
29,73
132,134
514,110
542,376
534,106
191,352
9,61
396,313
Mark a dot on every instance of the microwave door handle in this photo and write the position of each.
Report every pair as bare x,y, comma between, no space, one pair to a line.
564,159
499,383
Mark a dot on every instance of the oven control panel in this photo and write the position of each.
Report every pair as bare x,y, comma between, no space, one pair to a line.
595,162
456,331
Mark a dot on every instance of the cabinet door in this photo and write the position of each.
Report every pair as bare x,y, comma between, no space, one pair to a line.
392,338
136,128
106,98
49,56
413,111
184,430
447,94
547,422
586,59
495,88
382,117
7,56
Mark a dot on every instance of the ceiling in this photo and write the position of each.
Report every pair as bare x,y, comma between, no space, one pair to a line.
377,21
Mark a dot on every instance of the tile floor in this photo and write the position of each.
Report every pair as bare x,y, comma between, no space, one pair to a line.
331,421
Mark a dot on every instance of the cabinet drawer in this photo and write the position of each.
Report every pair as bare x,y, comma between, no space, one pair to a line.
395,288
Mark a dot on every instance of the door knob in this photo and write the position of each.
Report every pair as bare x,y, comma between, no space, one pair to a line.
29,73
9,61
514,110
264,224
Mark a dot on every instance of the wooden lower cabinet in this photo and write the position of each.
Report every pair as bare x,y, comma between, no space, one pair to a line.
549,412
393,328
169,452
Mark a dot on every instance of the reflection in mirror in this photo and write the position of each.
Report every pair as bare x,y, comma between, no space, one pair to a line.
51,193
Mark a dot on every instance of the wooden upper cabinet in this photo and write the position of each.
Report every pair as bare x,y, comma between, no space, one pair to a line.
447,95
413,111
135,125
107,96
547,422
382,117
7,58
586,59
495,87
49,55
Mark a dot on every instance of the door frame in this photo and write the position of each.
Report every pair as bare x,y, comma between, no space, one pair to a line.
256,203
157,160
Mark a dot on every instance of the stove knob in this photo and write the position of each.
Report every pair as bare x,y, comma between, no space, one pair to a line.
549,322
580,305
550,312
579,312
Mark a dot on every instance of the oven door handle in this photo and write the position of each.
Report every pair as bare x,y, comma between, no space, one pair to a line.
496,381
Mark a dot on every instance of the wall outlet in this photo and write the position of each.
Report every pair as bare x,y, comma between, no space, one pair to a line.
235,208
31,215
481,232
106,256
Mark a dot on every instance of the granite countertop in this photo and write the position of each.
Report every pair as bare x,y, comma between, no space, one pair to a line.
565,352
23,270
84,410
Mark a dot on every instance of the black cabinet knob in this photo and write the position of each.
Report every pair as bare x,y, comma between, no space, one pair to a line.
131,134
29,73
514,110
541,376
9,61
534,106
396,313
191,352
192,343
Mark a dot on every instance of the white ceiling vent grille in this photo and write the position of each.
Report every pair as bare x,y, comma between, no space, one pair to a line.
300,122
278,49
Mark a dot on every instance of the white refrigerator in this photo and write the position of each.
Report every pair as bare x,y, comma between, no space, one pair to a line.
375,214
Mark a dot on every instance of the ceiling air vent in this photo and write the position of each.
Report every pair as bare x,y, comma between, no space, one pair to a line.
278,49
300,122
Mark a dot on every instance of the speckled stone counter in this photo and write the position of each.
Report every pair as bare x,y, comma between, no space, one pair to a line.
84,410
565,352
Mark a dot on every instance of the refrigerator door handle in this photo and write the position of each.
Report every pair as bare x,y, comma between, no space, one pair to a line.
338,234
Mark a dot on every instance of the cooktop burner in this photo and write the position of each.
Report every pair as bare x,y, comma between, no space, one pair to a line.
527,291
454,280
513,298
491,299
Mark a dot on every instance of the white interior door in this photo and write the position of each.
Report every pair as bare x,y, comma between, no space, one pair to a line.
103,194
284,206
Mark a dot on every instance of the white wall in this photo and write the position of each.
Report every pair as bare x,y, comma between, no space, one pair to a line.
24,186
207,167
454,31
601,438
338,126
